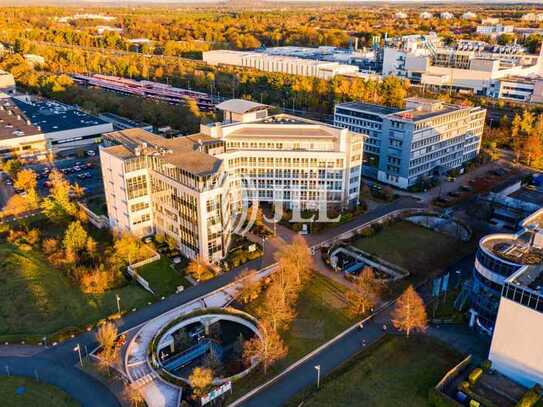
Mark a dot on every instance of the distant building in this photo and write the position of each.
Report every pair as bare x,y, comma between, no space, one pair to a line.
31,127
400,15
470,66
446,15
7,82
469,15
34,59
66,19
524,89
516,350
533,17
425,15
494,30
192,188
101,29
273,63
425,139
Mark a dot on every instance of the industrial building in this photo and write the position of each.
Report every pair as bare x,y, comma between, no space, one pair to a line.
34,127
278,63
426,139
471,66
193,188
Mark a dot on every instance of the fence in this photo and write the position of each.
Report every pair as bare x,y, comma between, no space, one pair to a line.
100,221
132,271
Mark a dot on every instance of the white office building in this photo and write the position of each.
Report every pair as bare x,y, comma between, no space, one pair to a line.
279,63
193,188
470,66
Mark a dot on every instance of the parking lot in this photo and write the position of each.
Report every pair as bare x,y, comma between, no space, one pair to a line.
81,169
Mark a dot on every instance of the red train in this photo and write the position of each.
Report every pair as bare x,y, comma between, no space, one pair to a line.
148,89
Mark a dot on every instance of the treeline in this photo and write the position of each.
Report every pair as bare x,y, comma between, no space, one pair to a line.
312,94
187,32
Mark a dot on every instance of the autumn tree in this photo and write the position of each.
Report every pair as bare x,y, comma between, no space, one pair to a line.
201,380
133,395
366,293
266,348
127,248
75,240
249,286
106,336
25,180
198,268
15,206
409,314
276,309
58,205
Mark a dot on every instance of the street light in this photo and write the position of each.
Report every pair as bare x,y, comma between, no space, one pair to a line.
78,350
318,367
118,303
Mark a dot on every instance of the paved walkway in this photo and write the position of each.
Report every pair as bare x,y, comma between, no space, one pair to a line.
86,390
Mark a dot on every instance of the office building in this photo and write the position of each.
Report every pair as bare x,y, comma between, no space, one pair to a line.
193,188
279,63
426,139
494,30
501,257
34,127
516,350
533,17
425,15
470,66
524,89
446,15
468,15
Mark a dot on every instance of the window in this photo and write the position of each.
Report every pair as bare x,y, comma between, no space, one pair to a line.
136,186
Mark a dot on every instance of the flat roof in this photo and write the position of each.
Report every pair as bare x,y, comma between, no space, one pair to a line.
186,152
13,122
369,107
240,106
52,116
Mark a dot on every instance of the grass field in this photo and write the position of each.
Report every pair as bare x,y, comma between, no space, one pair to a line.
415,248
320,317
396,372
36,299
162,278
35,394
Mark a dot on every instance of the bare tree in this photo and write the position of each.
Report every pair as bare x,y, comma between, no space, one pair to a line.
267,348
366,294
409,313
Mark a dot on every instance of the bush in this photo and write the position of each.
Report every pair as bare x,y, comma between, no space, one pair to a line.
531,397
486,365
475,375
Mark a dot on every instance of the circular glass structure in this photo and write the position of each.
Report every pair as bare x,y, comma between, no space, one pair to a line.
211,338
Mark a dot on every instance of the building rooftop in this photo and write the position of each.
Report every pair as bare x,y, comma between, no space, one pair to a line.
368,107
53,116
14,122
240,106
186,152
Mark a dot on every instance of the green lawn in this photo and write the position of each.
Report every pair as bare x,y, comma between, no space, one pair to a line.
415,248
36,299
320,317
35,395
162,278
396,372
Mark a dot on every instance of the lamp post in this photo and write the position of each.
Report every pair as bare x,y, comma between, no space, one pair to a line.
118,298
78,350
318,368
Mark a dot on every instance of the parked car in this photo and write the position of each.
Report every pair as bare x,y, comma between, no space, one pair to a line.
466,188
91,153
